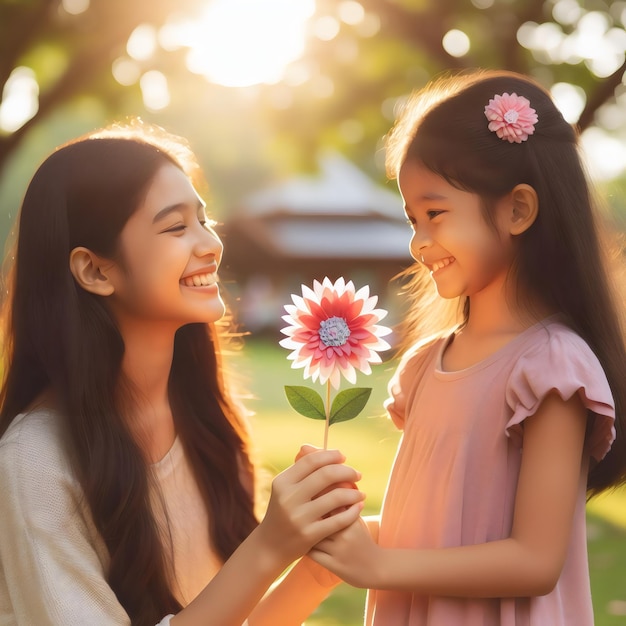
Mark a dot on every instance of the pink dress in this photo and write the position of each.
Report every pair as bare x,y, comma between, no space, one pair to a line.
455,474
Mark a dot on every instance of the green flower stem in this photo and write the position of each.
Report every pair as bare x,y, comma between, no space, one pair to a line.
327,410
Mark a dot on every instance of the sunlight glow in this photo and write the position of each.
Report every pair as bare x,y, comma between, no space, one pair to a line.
605,154
456,43
20,99
326,28
570,99
567,12
238,43
154,90
142,43
592,40
126,71
351,12
75,7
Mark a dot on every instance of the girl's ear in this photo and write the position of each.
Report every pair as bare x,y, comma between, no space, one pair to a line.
525,207
91,271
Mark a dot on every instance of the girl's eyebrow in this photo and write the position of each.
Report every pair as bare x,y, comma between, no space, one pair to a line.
432,196
180,206
427,197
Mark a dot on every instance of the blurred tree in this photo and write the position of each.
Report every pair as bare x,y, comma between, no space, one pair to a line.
361,58
372,52
62,51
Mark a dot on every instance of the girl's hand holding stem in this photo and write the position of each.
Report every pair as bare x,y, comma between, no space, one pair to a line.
314,498
297,518
323,575
307,449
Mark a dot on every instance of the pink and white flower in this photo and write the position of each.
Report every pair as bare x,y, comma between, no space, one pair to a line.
334,330
511,117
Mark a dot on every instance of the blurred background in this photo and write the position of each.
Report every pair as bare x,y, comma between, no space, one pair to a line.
286,103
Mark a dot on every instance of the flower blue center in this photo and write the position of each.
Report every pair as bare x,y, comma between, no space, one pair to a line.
334,331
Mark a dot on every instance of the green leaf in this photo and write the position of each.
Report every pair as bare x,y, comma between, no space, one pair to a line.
305,401
349,403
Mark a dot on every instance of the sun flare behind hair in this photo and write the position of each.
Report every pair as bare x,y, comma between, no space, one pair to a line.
239,43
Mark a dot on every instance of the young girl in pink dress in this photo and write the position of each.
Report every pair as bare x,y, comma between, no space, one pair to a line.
512,400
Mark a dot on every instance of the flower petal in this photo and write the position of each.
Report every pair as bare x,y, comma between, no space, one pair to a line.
326,307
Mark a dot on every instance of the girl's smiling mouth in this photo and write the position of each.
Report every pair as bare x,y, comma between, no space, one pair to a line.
437,265
206,279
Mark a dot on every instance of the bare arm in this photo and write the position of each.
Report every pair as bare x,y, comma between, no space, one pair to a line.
293,523
300,592
527,563
295,597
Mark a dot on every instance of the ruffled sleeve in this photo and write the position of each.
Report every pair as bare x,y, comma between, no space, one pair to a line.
565,364
403,383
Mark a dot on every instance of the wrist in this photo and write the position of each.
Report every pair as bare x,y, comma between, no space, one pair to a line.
382,572
376,571
322,576
390,568
270,559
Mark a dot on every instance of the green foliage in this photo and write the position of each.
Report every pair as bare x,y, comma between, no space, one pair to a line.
607,558
395,48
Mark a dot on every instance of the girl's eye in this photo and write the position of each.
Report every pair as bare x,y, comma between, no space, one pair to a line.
433,213
178,228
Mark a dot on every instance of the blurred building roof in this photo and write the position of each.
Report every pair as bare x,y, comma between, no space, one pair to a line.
338,214
339,188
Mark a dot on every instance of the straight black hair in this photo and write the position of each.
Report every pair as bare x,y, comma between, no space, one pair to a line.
61,339
561,261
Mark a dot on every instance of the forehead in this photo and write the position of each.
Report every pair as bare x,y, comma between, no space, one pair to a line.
170,186
417,181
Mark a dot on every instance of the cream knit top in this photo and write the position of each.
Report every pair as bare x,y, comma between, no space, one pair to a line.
53,560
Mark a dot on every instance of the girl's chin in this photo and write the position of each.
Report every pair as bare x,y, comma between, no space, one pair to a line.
448,294
209,315
217,314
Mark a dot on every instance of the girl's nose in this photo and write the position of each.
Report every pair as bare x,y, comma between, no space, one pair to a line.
420,240
208,243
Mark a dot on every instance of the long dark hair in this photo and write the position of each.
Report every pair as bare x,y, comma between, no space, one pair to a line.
446,130
61,338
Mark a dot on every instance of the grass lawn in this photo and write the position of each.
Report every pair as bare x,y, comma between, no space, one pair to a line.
369,442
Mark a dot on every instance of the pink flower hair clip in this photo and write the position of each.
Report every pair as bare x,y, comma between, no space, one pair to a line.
511,117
